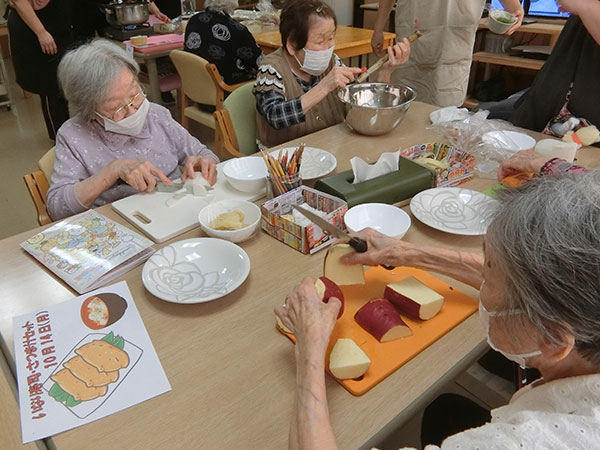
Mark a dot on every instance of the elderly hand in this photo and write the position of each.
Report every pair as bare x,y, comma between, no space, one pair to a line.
140,175
519,13
305,314
47,43
381,249
339,77
207,166
525,161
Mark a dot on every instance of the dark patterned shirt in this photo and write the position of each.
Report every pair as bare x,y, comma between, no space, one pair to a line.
225,42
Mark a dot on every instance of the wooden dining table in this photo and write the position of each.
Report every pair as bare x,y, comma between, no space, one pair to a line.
232,373
349,41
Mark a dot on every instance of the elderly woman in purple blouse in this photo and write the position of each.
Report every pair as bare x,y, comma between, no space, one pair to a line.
117,143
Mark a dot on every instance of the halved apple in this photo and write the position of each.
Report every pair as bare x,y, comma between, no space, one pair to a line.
382,321
339,273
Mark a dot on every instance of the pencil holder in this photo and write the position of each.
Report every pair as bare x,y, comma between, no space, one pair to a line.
281,185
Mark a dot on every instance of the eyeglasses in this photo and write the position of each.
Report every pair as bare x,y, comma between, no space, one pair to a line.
135,103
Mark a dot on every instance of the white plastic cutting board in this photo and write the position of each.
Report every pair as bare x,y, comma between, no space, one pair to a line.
150,213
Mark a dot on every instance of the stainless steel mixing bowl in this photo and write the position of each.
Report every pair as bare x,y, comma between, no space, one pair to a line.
375,108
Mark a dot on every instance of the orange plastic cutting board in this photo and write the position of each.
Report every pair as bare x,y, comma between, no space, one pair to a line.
389,356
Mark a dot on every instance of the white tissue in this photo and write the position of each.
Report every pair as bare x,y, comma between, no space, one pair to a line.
303,221
363,171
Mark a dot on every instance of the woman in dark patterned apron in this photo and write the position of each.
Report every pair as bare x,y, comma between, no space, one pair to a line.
40,32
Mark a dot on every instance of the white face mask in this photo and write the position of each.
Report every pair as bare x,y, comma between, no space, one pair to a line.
315,61
485,315
130,125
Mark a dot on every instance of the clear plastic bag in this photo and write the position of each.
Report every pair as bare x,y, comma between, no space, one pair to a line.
465,131
267,12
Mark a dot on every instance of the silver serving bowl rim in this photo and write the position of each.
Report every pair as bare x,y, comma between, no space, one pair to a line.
341,92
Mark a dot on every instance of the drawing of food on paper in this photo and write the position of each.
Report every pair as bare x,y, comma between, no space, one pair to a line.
91,372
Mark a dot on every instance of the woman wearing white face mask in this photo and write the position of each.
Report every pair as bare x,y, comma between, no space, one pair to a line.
117,143
539,304
295,85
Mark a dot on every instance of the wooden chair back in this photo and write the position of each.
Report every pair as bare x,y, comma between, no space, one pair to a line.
38,183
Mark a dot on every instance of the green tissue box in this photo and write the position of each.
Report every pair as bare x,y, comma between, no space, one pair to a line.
410,179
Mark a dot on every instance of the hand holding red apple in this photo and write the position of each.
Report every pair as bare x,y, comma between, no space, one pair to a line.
309,318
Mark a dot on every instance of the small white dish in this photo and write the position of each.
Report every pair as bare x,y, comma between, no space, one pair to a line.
386,219
454,210
247,174
316,163
508,140
251,218
196,270
501,26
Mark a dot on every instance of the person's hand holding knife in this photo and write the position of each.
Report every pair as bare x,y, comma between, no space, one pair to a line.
357,242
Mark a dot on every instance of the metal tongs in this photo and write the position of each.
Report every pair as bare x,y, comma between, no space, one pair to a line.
375,67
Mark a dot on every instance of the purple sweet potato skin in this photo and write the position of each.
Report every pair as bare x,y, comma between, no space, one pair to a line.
405,304
378,317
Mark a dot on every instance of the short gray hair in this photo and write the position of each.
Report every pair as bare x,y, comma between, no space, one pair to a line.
545,240
86,73
227,6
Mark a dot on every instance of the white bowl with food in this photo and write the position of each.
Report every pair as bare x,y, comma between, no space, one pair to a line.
499,21
247,174
387,219
232,220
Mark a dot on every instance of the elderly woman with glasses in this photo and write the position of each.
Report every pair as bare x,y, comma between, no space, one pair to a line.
539,280
117,143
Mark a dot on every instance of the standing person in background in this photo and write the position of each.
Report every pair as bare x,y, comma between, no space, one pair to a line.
89,20
40,33
440,61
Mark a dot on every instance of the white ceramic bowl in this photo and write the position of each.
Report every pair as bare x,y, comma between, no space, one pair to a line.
508,140
212,211
495,25
386,219
248,174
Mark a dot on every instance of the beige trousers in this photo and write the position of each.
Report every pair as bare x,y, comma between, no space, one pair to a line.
440,61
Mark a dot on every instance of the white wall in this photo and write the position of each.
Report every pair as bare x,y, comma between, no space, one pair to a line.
343,10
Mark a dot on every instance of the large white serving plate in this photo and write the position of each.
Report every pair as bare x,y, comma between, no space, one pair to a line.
196,270
454,210
316,162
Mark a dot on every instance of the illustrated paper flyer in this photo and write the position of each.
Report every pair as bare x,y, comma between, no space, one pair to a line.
82,360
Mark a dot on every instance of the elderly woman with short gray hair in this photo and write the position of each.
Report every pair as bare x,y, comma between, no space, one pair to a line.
539,279
117,143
